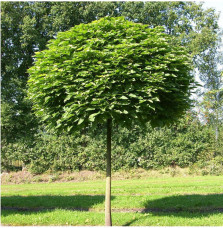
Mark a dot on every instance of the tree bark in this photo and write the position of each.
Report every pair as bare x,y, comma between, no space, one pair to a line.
108,220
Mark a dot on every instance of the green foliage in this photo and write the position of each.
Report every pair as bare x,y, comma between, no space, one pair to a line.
27,26
211,107
22,30
18,123
183,145
213,166
110,68
153,148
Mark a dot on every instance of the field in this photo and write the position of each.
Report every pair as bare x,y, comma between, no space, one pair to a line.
150,201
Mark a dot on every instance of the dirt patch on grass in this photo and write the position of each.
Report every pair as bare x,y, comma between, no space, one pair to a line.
24,176
16,177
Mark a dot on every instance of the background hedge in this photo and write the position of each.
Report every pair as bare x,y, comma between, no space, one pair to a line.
183,144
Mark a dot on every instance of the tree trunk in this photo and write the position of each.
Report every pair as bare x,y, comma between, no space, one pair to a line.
108,220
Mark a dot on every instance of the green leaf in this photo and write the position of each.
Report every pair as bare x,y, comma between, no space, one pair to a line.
90,109
124,98
132,95
47,99
81,120
92,116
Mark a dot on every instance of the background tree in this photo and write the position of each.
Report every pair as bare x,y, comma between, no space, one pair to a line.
110,70
212,102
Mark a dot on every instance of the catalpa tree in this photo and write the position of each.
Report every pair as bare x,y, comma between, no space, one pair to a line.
110,70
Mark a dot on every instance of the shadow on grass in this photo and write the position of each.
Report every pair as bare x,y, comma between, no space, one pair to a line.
187,206
40,203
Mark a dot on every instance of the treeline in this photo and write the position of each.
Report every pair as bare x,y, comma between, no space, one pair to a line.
26,28
187,143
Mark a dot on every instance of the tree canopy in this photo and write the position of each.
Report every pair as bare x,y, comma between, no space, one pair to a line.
110,68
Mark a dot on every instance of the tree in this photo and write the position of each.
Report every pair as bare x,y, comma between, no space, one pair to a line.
23,32
213,86
110,70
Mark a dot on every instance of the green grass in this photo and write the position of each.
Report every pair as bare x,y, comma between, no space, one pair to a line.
172,201
63,217
149,186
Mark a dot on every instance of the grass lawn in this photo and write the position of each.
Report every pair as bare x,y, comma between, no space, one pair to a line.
169,201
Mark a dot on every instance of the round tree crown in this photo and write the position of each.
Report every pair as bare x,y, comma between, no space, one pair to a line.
110,68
